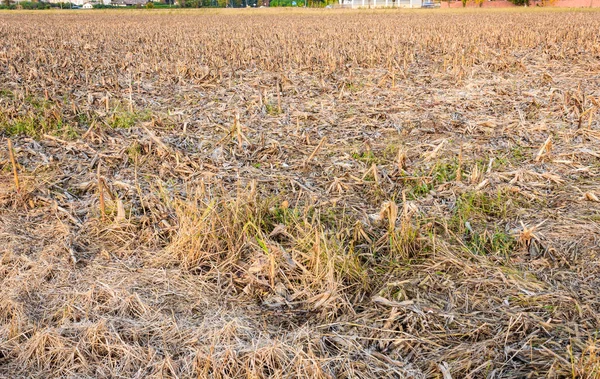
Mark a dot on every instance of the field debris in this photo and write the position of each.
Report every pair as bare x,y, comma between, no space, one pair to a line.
262,193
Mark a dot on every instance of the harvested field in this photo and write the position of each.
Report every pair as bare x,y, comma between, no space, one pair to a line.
323,194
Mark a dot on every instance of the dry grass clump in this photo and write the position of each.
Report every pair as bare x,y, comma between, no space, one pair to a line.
322,194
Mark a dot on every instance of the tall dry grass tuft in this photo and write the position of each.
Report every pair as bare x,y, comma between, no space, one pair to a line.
215,230
279,255
46,350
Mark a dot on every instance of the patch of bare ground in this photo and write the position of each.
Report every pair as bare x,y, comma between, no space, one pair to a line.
300,194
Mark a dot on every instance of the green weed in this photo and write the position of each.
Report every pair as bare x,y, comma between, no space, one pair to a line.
272,109
6,93
367,157
442,172
497,243
479,206
126,120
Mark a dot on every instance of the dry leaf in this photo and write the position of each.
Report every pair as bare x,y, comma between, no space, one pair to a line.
545,149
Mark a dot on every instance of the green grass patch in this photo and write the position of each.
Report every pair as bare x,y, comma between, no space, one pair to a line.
35,127
5,93
496,243
476,214
272,109
442,172
517,154
126,120
367,157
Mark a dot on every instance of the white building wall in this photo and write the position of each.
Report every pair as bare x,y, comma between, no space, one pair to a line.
380,3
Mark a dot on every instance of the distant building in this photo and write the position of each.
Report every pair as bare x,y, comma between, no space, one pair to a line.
123,3
87,6
381,3
80,3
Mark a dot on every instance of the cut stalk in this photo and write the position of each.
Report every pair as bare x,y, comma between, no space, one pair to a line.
101,194
14,165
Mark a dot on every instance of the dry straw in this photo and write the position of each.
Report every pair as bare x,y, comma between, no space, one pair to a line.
316,193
